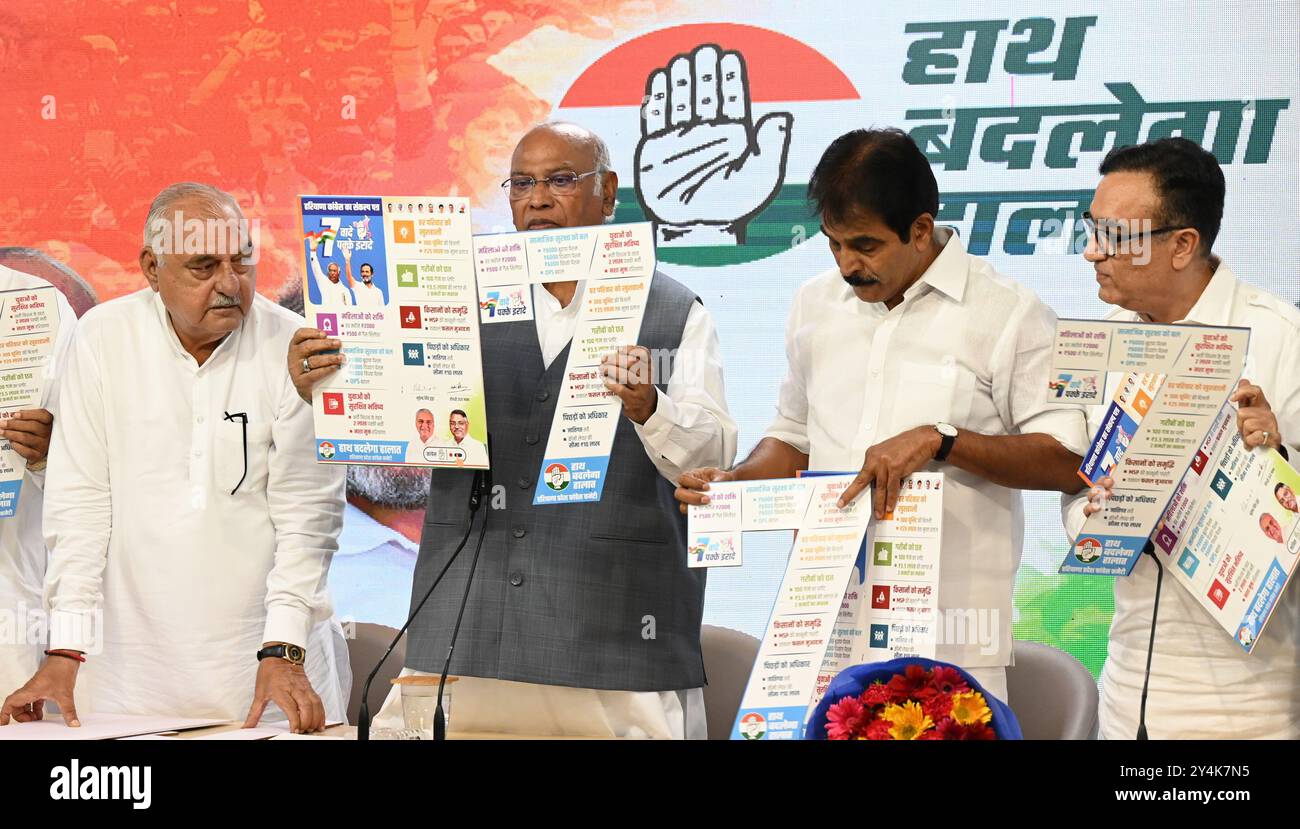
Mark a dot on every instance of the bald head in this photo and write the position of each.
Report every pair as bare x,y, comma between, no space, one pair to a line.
555,149
578,136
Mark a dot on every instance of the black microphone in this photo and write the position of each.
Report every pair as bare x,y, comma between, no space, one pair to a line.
480,485
1149,550
484,480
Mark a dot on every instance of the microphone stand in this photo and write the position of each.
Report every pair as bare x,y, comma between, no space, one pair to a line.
1151,646
481,485
484,480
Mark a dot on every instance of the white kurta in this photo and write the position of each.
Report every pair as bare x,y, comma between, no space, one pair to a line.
475,452
966,346
370,296
691,427
22,549
143,527
331,293
1203,685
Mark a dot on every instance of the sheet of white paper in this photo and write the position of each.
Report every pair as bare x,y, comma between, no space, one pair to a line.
259,733
262,732
100,727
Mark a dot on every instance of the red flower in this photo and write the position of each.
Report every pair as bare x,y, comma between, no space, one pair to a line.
937,707
950,729
845,718
879,730
877,694
980,731
949,681
914,683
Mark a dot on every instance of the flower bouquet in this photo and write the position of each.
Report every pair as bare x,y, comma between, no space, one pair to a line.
909,699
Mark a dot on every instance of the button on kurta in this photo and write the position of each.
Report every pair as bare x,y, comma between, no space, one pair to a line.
516,579
520,532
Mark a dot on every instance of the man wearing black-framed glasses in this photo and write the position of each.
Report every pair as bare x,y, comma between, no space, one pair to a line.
1116,237
1154,219
583,620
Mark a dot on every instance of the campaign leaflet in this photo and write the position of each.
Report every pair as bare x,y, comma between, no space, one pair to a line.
393,279
1174,380
890,607
29,328
616,265
829,597
1231,534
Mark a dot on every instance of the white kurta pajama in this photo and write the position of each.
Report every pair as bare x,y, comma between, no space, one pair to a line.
691,428
1203,685
142,525
368,295
331,293
968,347
22,549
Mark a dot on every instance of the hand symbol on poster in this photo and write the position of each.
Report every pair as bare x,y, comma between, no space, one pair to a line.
703,167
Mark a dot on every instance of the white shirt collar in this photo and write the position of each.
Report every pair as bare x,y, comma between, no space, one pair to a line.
1214,305
362,533
948,272
549,301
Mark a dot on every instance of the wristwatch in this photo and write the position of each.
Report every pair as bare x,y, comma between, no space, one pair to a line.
949,434
289,653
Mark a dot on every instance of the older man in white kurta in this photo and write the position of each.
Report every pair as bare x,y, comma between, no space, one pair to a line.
1156,215
966,347
914,355
1203,685
185,506
332,290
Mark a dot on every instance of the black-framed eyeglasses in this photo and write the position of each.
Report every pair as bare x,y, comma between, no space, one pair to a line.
242,417
1113,236
560,184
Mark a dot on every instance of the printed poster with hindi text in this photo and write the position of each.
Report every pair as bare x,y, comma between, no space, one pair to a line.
29,328
616,264
393,279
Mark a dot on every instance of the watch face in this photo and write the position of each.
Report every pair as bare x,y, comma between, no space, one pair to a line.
946,429
294,654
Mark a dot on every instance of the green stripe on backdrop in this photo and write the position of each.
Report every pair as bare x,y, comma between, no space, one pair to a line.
1071,613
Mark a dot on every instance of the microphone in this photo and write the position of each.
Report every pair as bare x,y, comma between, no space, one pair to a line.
479,489
484,481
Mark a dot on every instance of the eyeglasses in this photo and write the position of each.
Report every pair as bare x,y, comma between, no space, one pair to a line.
242,417
1111,238
560,184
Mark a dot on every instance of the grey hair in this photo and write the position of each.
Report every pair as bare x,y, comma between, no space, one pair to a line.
162,205
580,133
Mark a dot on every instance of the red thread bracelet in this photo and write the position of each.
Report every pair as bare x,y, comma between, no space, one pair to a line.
67,655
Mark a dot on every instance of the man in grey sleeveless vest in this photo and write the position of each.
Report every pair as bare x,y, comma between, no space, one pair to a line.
583,619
